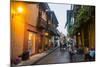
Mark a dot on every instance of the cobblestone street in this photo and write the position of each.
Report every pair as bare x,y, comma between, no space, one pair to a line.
56,57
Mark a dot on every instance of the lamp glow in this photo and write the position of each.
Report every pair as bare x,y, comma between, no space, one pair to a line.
20,9
46,34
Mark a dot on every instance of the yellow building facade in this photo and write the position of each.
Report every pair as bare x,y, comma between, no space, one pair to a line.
26,35
23,27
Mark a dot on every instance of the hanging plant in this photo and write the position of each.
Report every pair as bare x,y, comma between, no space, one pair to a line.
83,15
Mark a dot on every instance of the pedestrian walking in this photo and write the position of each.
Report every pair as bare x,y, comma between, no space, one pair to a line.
60,45
64,43
70,53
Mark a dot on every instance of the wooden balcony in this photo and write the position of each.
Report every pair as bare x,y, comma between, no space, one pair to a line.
42,24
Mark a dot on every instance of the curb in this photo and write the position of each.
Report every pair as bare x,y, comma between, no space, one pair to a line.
44,56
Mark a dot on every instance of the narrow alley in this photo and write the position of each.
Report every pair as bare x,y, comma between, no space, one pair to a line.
58,56
47,33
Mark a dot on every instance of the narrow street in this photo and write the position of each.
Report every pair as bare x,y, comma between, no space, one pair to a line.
57,56
40,28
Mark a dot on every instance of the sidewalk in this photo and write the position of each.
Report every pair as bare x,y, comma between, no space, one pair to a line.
35,58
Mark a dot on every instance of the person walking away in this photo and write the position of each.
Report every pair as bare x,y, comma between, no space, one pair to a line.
65,42
60,45
71,53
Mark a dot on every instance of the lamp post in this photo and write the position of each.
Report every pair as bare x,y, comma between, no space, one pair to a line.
17,11
20,9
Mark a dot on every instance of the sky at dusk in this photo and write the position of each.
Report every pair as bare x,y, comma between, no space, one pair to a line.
61,14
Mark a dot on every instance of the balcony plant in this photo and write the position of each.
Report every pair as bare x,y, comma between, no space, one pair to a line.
83,15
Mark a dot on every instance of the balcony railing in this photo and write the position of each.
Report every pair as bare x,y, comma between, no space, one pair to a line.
42,23
52,30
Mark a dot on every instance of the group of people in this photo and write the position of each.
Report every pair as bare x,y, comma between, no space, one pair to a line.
89,55
63,44
67,46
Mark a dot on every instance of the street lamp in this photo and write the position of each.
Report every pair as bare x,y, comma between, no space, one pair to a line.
78,33
17,11
20,9
46,33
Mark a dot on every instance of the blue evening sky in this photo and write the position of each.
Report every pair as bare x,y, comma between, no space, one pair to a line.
60,12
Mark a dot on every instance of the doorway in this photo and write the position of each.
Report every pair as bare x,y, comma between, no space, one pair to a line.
31,42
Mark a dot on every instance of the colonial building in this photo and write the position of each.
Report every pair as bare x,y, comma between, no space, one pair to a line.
31,31
83,26
24,35
52,27
86,32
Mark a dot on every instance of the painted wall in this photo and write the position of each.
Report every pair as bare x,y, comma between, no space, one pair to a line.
19,21
32,16
17,30
17,36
